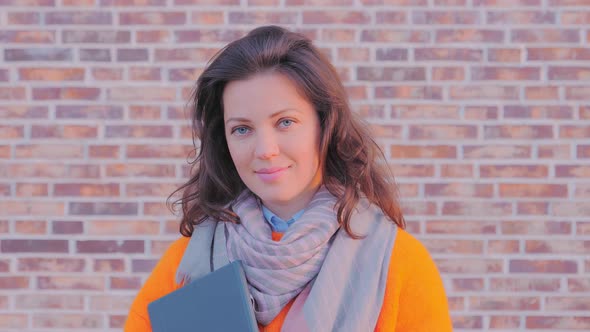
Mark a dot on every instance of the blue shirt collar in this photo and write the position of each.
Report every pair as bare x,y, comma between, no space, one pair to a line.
277,224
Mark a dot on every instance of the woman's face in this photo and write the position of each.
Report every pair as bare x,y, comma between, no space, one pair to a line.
273,136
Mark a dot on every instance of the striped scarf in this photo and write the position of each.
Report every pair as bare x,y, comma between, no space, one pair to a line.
277,271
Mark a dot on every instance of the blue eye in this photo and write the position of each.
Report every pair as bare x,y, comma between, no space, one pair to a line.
286,122
240,130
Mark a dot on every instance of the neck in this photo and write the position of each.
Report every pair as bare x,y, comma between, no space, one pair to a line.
286,210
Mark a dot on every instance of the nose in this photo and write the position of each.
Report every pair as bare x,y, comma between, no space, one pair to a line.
266,145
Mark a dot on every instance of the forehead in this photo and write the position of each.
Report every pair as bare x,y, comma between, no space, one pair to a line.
263,93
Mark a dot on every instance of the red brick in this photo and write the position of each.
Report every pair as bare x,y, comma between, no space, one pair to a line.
450,2
207,2
37,54
67,227
577,92
79,3
81,17
138,131
481,112
567,303
132,3
392,54
468,284
141,93
583,228
184,74
19,18
96,36
558,54
442,132
14,282
102,208
34,246
545,35
89,112
68,321
480,92
505,55
536,228
108,246
410,3
132,54
467,322
262,17
427,151
538,112
27,36
86,189
109,265
104,151
409,92
503,247
140,170
580,284
557,322
26,264
23,112
465,265
543,266
446,17
206,36
448,54
533,190
331,17
14,321
583,151
144,74
582,190
117,321
49,151
460,227
506,3
564,3
395,36
448,74
425,111
69,93
515,303
572,171
13,93
469,36
532,208
121,283
554,151
51,74
574,18
456,171
353,54
111,302
520,285
391,17
49,170
49,301
320,2
158,151
11,132
5,151
63,131
570,247
458,190
145,112
153,36
568,73
155,209
475,208
29,227
98,55
520,17
444,246
519,132
513,171
410,170
116,227
152,18
207,17
505,73
391,73
574,131
496,151
504,322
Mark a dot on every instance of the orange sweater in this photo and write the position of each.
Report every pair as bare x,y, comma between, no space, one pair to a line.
414,300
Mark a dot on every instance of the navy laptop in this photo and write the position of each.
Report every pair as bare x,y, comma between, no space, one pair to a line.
219,301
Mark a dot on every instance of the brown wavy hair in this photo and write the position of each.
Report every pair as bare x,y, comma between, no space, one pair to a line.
349,156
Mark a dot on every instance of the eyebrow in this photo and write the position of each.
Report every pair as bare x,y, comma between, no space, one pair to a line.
271,116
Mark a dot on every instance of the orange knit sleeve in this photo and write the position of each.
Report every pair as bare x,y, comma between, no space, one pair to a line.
415,298
160,282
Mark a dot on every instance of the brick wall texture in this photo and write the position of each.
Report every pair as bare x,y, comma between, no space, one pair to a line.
482,108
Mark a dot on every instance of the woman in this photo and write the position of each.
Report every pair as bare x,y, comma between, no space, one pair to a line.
292,178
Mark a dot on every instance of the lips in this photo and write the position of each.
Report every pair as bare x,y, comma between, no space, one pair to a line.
270,174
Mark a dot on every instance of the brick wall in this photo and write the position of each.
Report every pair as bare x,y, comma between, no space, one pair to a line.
482,107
